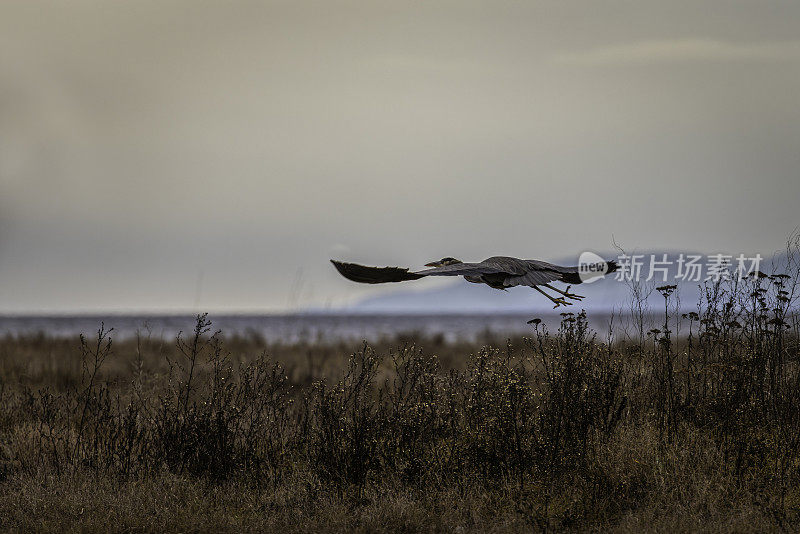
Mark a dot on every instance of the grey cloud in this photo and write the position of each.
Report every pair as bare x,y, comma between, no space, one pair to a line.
678,50
143,143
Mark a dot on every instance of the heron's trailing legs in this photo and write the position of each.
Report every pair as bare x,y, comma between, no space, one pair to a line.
559,301
565,293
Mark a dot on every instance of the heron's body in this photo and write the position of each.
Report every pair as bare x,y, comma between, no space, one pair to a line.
499,272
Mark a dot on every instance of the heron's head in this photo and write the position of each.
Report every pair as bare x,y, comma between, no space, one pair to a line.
444,261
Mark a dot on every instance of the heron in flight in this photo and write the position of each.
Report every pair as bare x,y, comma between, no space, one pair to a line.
498,272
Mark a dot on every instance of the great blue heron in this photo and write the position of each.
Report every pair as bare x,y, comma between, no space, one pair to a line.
499,272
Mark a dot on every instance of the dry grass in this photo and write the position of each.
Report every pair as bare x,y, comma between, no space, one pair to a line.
554,432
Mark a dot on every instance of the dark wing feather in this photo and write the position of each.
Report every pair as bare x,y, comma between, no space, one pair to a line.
539,265
569,275
532,278
373,275
539,272
505,271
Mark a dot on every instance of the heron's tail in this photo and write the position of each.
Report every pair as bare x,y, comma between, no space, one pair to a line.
373,275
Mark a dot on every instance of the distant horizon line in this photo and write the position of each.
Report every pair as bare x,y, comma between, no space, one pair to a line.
306,312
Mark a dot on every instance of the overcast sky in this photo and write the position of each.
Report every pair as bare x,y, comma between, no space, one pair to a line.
188,155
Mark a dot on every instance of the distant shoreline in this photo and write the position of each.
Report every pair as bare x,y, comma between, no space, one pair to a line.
300,327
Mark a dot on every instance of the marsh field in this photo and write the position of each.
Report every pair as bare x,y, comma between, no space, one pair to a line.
691,425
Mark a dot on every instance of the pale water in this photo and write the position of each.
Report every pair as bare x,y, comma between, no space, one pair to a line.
291,328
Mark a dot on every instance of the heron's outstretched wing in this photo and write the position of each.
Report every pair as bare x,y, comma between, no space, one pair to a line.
500,270
467,269
505,271
373,275
545,266
533,278
537,272
379,275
